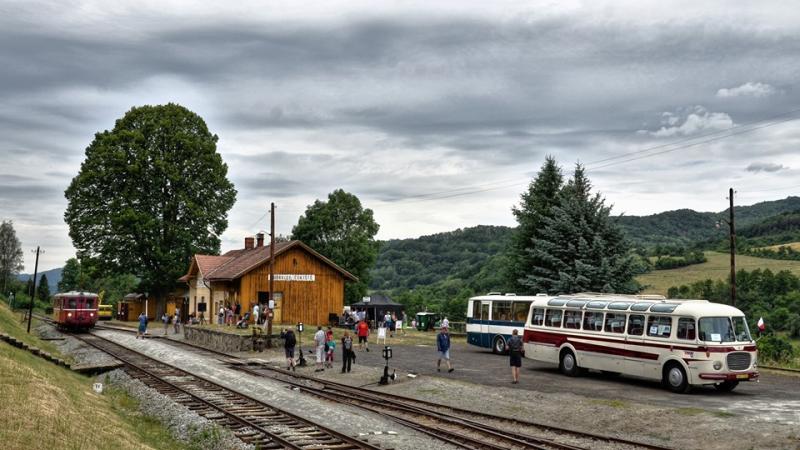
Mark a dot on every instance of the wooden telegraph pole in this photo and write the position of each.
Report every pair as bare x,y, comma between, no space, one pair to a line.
271,300
33,294
733,249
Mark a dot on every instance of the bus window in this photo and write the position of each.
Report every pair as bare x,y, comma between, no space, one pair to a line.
593,321
686,329
635,325
476,309
615,323
501,310
538,316
484,311
572,319
552,318
519,311
659,326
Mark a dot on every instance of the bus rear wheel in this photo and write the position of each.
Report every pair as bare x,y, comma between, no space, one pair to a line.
568,365
674,378
499,345
726,386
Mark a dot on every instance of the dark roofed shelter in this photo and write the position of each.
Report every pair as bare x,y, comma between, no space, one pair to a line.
377,305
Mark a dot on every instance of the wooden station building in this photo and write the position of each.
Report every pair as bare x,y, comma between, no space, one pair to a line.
308,286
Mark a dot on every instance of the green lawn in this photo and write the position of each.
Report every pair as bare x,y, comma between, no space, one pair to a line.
716,268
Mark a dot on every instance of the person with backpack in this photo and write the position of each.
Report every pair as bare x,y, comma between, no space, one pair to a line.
516,350
289,342
347,352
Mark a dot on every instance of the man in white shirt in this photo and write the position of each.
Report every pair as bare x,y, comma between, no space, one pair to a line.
319,341
445,323
255,314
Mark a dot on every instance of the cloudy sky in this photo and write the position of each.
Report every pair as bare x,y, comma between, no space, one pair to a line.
435,116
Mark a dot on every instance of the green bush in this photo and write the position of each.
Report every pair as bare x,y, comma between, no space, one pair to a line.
775,348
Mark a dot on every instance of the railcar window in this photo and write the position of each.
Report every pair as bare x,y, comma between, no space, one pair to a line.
686,329
501,310
519,311
615,323
572,319
659,326
636,325
72,303
552,318
593,321
538,316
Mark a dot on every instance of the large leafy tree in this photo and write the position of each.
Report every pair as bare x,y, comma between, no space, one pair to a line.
11,256
72,276
342,230
151,192
536,206
580,247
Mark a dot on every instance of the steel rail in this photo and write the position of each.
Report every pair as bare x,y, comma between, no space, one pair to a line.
356,443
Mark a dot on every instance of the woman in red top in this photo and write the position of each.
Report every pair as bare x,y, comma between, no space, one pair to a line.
363,333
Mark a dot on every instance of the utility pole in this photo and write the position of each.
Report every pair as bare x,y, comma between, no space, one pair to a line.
271,300
33,295
733,249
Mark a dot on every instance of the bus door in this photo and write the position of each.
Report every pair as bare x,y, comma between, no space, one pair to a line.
634,345
485,337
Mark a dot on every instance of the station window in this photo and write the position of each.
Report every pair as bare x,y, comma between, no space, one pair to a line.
519,311
686,329
659,326
572,319
538,316
593,321
552,318
501,310
615,323
636,325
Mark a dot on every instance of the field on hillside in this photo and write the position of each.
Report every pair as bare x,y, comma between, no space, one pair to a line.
793,245
717,267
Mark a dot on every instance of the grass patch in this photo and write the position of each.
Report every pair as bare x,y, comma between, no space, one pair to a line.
47,407
690,411
723,414
716,268
793,245
619,404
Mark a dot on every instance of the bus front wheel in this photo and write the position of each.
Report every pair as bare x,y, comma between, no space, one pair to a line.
499,345
568,364
675,378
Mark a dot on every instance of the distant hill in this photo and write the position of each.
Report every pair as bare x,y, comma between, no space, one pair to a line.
53,277
686,226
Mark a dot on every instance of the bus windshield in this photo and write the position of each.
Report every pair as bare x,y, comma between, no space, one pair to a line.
723,329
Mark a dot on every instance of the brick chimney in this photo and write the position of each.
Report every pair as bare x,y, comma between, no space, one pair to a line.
260,240
248,243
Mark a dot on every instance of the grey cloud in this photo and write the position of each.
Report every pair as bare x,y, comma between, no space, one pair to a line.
765,167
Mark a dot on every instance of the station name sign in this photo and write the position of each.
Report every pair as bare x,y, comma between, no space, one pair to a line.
294,277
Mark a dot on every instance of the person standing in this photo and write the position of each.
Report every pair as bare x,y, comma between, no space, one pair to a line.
289,343
516,351
363,334
319,342
142,326
445,323
229,316
256,317
176,320
220,315
443,347
347,352
237,311
165,319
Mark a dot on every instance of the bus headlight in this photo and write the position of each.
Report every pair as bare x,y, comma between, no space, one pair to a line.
717,365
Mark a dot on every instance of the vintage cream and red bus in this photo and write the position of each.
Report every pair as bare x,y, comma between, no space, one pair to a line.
75,310
679,342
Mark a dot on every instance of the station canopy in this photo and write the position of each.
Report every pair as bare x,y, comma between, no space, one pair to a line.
377,306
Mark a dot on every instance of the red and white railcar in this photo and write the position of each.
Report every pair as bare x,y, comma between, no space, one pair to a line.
75,310
679,342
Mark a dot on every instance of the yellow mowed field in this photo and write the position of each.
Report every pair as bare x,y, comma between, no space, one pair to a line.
793,245
716,268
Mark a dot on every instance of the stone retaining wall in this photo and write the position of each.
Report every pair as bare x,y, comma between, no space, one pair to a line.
223,342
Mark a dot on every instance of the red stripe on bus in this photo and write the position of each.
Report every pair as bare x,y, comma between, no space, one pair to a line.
558,338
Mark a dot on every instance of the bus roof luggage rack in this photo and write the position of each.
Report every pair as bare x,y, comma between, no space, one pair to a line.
510,294
495,293
631,296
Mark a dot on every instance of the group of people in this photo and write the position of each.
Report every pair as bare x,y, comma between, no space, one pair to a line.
325,347
229,314
166,319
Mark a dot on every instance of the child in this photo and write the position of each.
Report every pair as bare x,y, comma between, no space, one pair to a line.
330,347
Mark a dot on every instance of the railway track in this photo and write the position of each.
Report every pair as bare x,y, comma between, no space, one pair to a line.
252,421
461,427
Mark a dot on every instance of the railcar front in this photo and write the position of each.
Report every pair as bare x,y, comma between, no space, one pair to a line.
75,310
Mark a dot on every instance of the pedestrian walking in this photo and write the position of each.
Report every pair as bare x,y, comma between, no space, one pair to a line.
289,343
363,334
165,319
443,347
176,320
220,315
142,326
347,352
516,350
319,342
256,317
202,318
330,348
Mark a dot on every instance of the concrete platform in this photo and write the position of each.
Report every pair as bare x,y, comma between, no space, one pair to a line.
94,369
